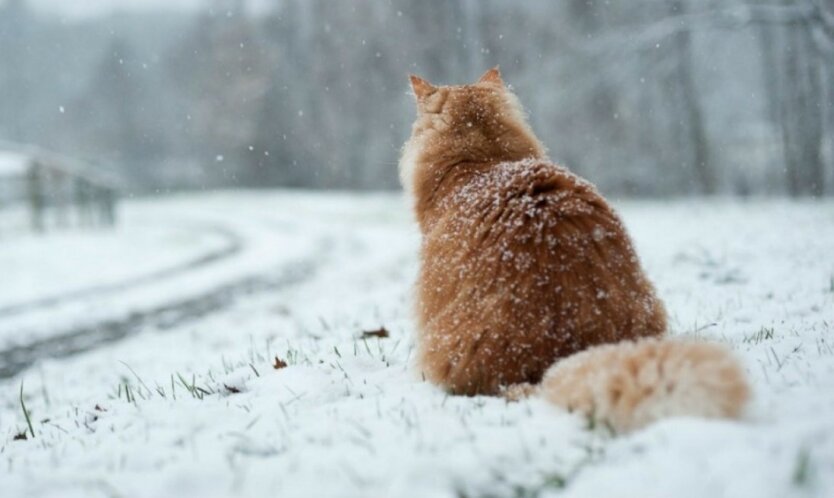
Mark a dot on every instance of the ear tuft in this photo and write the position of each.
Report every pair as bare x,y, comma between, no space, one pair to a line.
492,76
421,87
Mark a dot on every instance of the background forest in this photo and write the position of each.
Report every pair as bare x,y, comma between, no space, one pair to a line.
644,98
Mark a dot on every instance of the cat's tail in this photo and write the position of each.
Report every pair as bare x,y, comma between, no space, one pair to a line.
630,384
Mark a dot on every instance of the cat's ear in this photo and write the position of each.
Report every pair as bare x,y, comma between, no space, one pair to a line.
421,87
492,76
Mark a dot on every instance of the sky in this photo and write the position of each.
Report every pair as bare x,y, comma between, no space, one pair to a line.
79,9
84,9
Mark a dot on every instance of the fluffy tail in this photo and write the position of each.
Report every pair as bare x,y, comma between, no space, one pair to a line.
631,384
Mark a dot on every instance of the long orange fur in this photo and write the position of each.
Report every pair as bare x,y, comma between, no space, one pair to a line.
524,263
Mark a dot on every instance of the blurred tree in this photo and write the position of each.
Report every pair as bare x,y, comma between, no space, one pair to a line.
15,23
220,72
690,122
653,97
793,80
111,127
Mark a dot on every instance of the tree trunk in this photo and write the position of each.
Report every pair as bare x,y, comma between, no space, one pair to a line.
692,120
801,112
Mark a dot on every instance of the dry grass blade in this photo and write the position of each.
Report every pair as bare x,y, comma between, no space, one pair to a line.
26,413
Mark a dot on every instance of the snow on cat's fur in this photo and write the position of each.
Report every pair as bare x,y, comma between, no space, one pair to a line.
523,264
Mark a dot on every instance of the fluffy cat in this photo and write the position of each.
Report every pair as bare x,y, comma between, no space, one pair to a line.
529,282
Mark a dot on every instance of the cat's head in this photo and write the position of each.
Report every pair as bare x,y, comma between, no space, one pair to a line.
482,122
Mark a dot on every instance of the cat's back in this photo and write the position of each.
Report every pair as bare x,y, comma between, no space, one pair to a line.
534,253
529,234
530,202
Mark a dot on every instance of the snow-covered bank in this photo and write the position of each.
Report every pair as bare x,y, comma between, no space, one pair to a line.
200,410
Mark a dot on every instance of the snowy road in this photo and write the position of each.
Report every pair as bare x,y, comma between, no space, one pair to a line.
230,253
231,246
161,382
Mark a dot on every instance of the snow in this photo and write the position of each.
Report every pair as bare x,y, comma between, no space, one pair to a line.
98,8
94,8
101,258
349,416
246,250
12,164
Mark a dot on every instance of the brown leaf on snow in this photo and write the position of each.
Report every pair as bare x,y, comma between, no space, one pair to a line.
380,332
279,363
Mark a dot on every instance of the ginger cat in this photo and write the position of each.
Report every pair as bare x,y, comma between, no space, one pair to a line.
524,264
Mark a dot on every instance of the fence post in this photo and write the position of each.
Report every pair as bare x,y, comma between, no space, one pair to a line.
109,206
36,197
83,202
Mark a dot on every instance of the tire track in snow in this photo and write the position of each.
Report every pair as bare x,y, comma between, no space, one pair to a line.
233,246
77,340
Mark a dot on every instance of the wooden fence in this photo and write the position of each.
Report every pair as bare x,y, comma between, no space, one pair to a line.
56,192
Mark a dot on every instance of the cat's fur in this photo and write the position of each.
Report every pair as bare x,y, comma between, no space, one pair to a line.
523,263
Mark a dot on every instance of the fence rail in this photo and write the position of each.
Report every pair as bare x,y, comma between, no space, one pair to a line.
57,191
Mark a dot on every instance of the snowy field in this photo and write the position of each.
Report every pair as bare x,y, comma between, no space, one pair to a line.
147,359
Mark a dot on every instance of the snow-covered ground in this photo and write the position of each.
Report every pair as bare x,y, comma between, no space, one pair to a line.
38,271
204,292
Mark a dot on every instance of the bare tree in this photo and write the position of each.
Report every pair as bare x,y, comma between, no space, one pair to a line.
15,19
793,81
654,97
691,121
